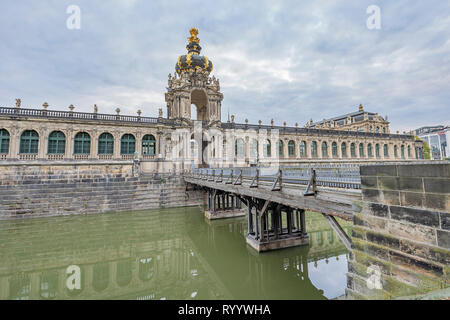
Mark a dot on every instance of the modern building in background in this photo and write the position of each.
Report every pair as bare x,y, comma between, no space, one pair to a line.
436,137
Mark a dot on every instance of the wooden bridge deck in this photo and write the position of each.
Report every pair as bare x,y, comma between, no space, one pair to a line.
335,198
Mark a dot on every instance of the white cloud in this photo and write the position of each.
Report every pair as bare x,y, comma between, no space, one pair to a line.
286,60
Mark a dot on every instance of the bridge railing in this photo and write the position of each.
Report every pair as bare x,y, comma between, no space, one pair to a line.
345,176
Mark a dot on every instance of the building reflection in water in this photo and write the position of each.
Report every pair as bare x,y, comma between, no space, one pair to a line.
173,254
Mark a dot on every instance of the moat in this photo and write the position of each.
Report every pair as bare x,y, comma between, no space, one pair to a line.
163,254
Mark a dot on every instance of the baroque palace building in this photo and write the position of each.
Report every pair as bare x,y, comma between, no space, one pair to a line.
47,135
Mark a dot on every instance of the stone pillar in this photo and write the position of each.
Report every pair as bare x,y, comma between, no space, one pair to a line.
117,138
94,144
43,138
14,141
69,144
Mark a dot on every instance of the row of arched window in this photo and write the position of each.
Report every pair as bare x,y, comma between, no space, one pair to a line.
29,143
372,150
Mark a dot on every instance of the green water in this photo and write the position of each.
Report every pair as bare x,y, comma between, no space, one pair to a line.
163,254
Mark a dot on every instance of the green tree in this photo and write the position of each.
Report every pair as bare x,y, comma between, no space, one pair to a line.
426,148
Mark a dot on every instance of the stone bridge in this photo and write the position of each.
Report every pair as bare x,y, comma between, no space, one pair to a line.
401,217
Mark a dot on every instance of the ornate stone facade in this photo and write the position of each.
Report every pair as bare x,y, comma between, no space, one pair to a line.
43,134
360,121
192,85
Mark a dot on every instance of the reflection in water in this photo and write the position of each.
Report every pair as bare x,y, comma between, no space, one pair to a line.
163,254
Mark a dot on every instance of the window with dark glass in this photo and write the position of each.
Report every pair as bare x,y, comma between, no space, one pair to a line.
82,143
127,144
344,150
361,150
56,143
303,149
324,150
29,142
149,145
267,149
280,148
334,150
353,150
314,149
106,143
369,150
291,148
4,141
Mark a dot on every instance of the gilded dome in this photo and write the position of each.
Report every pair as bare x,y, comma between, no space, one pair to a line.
193,61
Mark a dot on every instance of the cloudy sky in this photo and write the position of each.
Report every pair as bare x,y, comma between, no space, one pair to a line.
286,60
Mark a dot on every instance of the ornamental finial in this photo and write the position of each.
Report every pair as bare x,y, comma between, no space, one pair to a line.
193,37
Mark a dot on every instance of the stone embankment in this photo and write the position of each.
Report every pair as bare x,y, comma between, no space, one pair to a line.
401,234
50,190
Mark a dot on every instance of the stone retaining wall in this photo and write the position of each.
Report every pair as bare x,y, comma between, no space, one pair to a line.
47,190
401,232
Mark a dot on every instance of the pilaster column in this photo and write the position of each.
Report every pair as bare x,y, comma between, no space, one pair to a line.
94,144
117,136
14,143
43,138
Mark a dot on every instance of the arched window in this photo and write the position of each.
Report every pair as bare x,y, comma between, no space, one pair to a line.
334,150
344,150
353,150
369,150
82,143
267,149
56,143
29,142
409,151
106,143
4,141
386,151
395,152
291,149
303,149
254,148
149,145
239,148
324,150
377,150
127,144
361,150
314,149
378,130
403,152
384,130
280,148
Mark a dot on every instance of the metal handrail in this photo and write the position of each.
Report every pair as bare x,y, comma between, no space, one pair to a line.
334,176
